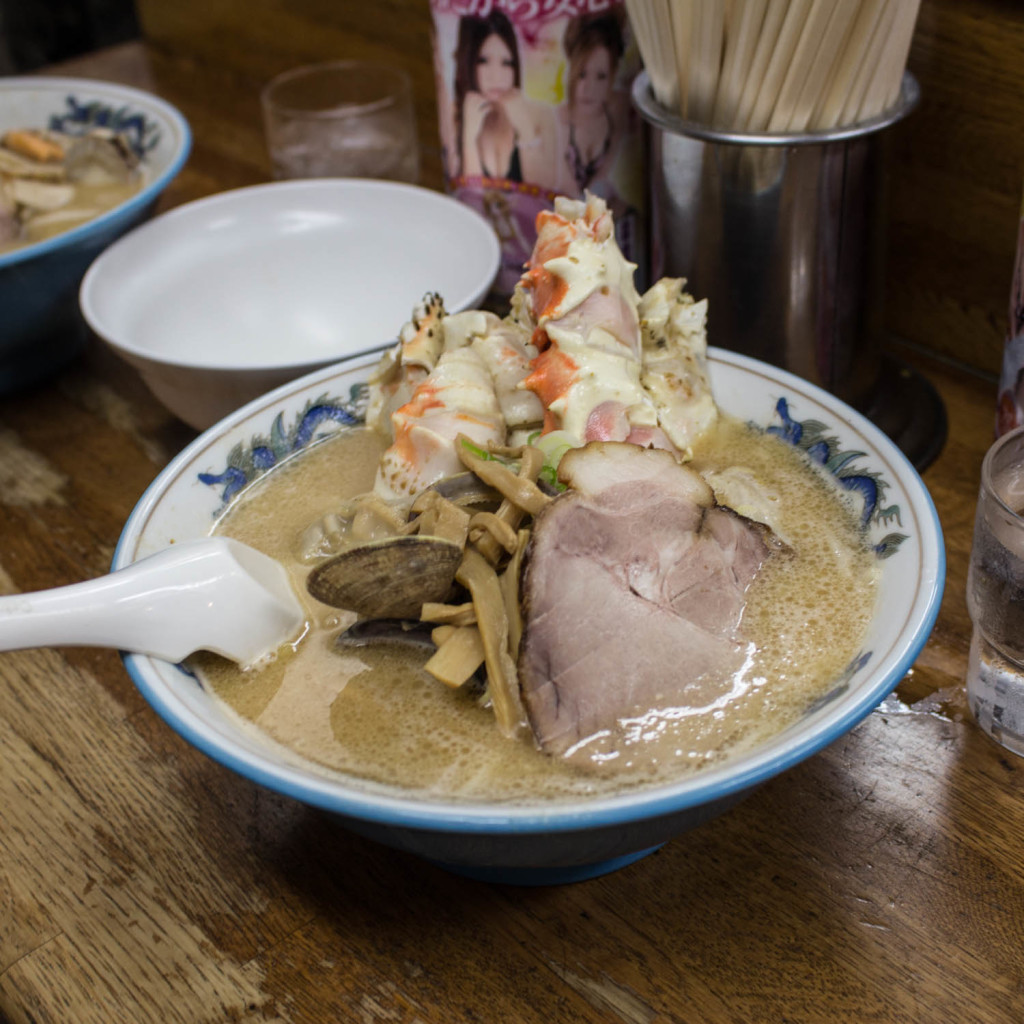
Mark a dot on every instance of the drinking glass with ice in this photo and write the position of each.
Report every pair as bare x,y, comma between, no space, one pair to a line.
343,119
995,595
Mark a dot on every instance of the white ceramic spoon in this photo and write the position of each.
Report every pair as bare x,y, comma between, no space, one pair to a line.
213,594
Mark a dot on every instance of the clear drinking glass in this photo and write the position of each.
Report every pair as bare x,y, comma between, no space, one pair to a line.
343,119
995,595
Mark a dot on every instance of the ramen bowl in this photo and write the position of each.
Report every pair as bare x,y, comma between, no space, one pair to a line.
41,328
552,842
223,299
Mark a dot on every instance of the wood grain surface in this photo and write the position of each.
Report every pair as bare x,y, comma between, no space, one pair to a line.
880,881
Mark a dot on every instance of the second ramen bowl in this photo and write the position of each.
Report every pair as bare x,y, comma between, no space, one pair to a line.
41,328
547,842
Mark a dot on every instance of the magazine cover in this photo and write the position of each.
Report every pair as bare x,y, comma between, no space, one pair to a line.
533,102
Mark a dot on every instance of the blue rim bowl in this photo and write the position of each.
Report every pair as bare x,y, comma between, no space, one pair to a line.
547,843
42,329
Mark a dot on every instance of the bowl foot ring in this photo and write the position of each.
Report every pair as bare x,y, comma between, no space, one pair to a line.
556,875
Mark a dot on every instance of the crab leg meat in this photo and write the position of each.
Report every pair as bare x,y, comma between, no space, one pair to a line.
420,344
456,397
579,295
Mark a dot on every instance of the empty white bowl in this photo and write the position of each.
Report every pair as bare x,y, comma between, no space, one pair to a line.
550,842
225,298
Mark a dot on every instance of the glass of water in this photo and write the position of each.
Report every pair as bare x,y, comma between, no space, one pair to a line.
343,119
995,595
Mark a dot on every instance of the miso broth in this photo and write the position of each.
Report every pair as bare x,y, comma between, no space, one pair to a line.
378,716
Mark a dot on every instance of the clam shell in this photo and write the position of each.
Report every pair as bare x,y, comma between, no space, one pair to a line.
468,491
389,578
387,631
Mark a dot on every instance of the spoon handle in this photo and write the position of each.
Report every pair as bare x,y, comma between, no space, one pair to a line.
209,594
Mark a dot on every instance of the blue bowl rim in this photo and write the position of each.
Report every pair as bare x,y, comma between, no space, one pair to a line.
130,207
702,789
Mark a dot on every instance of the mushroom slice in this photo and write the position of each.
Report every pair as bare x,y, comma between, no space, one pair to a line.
41,195
46,224
100,156
389,578
18,166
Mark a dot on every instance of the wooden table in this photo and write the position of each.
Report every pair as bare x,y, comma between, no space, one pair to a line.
882,880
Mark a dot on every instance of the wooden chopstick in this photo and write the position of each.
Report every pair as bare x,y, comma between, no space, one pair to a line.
775,65
705,60
834,95
796,115
850,113
771,26
648,19
781,60
743,29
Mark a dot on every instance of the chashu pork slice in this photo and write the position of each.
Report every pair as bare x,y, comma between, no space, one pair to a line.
633,591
